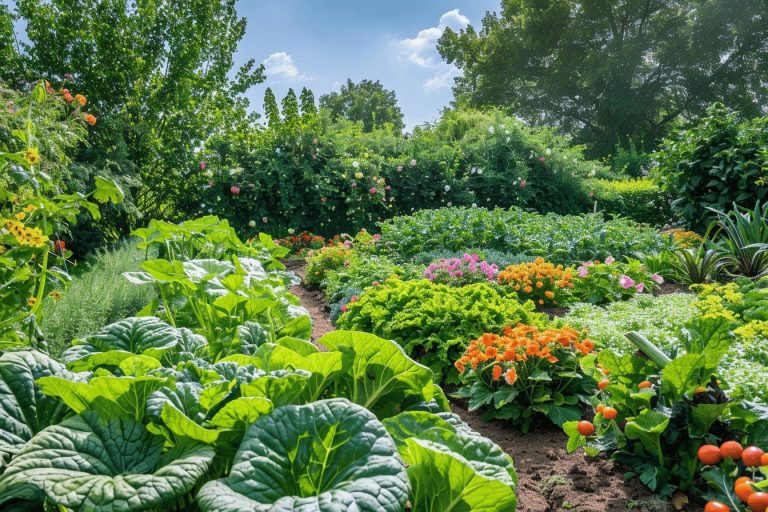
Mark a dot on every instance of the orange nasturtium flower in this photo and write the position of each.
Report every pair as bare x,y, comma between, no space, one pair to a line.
81,99
90,119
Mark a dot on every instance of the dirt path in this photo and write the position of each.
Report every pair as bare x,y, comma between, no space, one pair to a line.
549,478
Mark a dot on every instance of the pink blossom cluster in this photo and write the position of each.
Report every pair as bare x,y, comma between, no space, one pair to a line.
468,268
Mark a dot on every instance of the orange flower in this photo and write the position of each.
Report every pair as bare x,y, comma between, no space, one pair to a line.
81,99
510,376
496,372
90,119
68,97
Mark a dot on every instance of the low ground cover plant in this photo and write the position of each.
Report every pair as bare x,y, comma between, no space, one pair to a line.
434,322
564,239
526,372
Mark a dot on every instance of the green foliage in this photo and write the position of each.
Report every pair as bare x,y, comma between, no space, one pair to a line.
561,239
694,265
607,75
325,262
638,199
132,474
719,161
609,281
367,102
630,161
434,322
97,296
739,239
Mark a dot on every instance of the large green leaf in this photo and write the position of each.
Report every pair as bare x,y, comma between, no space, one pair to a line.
444,481
180,410
648,428
24,409
108,397
448,430
146,335
381,375
89,464
686,373
329,455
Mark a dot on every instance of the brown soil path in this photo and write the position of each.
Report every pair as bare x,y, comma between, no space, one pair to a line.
550,479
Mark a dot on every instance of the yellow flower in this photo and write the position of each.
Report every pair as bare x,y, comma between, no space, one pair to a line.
55,295
31,301
20,216
359,175
32,156
30,208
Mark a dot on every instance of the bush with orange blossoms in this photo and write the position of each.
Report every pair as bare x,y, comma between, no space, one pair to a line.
527,372
542,282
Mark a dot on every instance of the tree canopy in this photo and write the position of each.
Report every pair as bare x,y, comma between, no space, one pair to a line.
610,71
367,102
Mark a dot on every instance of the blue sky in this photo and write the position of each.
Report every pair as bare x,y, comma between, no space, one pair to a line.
321,43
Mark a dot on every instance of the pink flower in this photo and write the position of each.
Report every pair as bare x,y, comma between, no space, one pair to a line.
609,260
346,263
388,187
413,163
542,159
234,190
344,308
323,199
372,191
640,287
353,298
376,237
626,282
583,271
657,278
375,284
522,183
203,165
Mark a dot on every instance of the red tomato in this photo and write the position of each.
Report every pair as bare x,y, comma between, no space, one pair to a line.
610,413
731,450
758,502
585,428
752,456
716,506
709,454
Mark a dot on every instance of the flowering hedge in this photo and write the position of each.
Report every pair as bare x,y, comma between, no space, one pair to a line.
460,271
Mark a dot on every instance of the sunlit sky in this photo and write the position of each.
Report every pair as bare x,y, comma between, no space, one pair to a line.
321,43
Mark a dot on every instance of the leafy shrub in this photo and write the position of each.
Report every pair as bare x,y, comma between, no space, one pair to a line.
609,281
684,239
362,271
97,296
629,161
641,200
560,239
461,271
526,371
654,413
329,177
433,322
321,263
299,245
539,281
717,162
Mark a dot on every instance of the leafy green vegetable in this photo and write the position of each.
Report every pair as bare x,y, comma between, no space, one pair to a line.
89,464
328,455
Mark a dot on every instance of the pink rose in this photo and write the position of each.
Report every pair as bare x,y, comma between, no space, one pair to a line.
626,282
522,183
203,165
657,278
640,287
344,308
583,271
372,191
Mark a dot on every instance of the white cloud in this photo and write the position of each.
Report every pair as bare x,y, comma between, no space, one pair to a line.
280,65
422,50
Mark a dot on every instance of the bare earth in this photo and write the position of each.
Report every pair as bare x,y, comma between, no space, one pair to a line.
549,478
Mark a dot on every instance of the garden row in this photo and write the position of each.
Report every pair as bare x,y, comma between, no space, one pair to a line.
528,316
214,395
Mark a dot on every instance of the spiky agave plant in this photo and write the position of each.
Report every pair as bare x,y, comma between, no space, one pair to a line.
740,240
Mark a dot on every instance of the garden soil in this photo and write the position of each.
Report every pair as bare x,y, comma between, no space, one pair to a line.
549,478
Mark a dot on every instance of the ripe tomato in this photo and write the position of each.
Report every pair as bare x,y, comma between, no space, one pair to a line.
716,506
764,460
752,456
585,428
610,413
599,408
731,450
709,454
602,384
744,490
741,479
645,384
758,502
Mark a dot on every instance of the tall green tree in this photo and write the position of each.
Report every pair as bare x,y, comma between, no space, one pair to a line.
10,63
271,110
367,102
307,101
157,73
607,71
290,107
